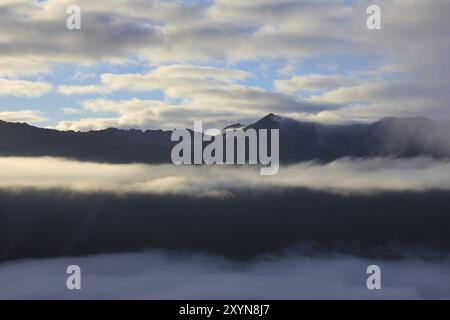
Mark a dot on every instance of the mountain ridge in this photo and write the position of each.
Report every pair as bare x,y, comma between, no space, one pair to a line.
299,141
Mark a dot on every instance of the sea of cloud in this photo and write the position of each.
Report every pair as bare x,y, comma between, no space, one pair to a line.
342,176
163,275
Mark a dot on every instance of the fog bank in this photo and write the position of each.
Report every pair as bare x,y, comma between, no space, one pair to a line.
342,176
156,275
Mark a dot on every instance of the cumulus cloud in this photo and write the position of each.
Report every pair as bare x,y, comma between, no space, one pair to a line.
413,48
179,32
378,92
28,115
23,88
157,275
12,67
212,94
27,24
173,78
372,100
123,107
345,176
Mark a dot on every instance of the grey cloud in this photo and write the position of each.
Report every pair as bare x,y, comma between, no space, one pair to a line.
163,31
414,38
103,37
156,275
312,82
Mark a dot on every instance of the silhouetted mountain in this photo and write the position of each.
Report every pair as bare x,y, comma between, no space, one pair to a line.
299,141
391,137
110,145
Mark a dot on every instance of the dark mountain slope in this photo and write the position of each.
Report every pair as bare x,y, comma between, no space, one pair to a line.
392,137
110,145
299,141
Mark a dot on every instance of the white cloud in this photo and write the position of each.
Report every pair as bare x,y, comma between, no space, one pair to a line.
172,78
11,67
342,176
123,107
210,94
29,116
134,113
379,91
23,88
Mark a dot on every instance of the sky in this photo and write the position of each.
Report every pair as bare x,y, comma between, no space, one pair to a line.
151,64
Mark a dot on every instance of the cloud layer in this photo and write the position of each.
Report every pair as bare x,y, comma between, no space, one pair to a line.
221,60
341,176
156,275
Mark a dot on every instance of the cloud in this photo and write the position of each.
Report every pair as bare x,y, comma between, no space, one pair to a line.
89,89
171,77
313,82
13,67
134,113
107,35
122,107
23,88
228,33
380,91
159,275
83,76
72,111
236,30
344,176
191,92
371,100
168,31
29,116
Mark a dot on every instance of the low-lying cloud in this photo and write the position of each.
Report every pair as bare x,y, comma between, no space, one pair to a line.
159,275
342,176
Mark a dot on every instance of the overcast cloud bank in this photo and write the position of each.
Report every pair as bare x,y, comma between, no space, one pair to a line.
156,275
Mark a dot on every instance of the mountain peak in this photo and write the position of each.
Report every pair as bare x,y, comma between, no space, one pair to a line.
299,141
272,117
268,122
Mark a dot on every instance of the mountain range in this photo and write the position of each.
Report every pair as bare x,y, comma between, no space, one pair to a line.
299,141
